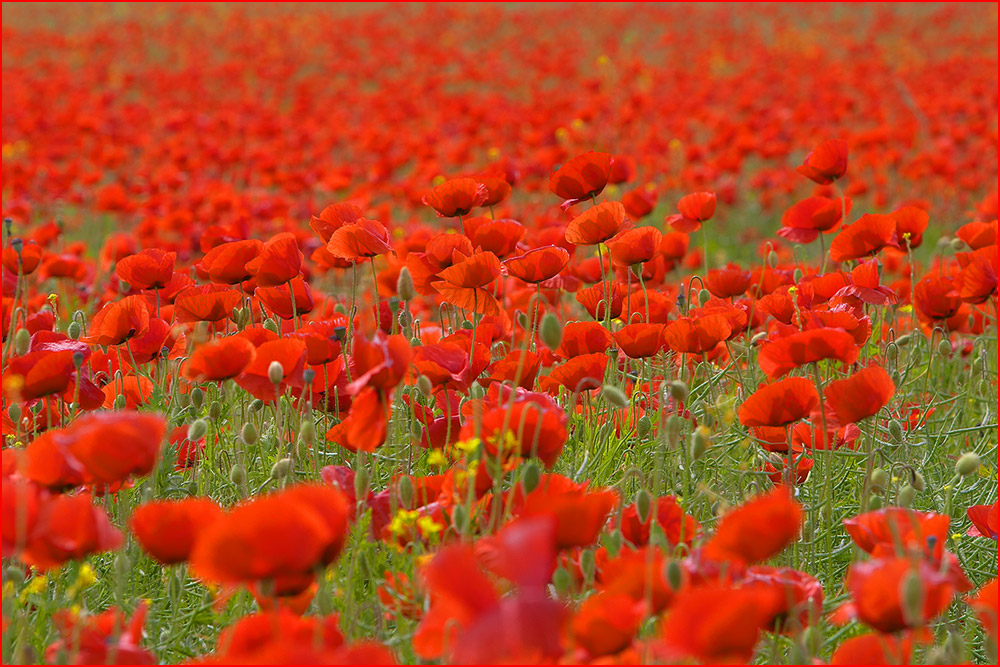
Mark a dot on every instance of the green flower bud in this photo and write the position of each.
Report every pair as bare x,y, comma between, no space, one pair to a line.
22,341
879,480
275,372
896,431
797,275
120,402
642,504
74,330
404,489
703,296
967,464
307,431
614,396
197,398
197,430
459,518
957,244
674,575
563,581
361,480
911,595
214,411
679,390
944,347
271,325
672,430
644,426
249,433
772,259
875,503
476,391
700,441
550,331
531,476
281,468
918,481
424,385
587,563
906,495
238,474
404,285
14,411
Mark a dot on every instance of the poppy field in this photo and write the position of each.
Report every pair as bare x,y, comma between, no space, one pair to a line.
447,334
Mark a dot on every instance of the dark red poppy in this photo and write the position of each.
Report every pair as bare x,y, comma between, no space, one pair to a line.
789,352
119,321
167,530
695,209
457,197
538,265
756,530
279,261
826,163
597,224
859,396
780,403
583,177
985,520
864,238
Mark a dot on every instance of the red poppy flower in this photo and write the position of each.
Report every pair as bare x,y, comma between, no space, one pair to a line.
639,202
281,636
580,511
873,649
859,396
462,283
806,220
525,423
678,528
826,163
289,353
689,335
583,338
167,530
985,520
607,623
594,300
987,610
206,303
935,298
135,389
279,261
68,528
876,587
332,218
101,639
500,237
757,530
119,321
583,177
801,593
911,222
803,466
497,187
695,209
24,262
278,299
538,265
381,362
728,282
41,373
674,246
581,373
977,281
635,246
788,353
219,359
226,264
976,234
150,269
884,531
457,197
640,340
864,238
365,427
597,224
361,239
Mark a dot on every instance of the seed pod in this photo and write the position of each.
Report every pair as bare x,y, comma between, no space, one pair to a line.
642,504
22,341
911,595
275,372
404,285
197,430
404,489
249,433
587,563
73,330
214,411
896,431
906,495
614,396
957,244
644,426
700,441
530,476
308,375
550,331
679,390
424,385
197,398
674,575
281,468
879,480
238,474
967,464
361,480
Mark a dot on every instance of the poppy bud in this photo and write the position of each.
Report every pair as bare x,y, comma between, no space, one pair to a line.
911,594
679,390
967,464
797,275
895,431
530,476
73,330
674,575
361,482
416,429
249,433
22,341
197,398
672,431
275,372
340,309
271,325
120,402
562,580
700,440
904,340
307,431
522,320
476,391
238,474
703,296
424,385
197,430
875,503
772,259
467,325
324,600
459,518
404,489
944,347
642,503
906,495
644,426
954,646
918,481
614,396
405,319
587,563
281,468
415,342
879,480
15,412
214,411
957,244
14,575
550,331
404,285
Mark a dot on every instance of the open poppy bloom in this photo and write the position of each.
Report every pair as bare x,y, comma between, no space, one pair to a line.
501,237
360,240
457,197
689,335
279,261
24,262
219,359
785,354
167,530
635,246
119,321
525,424
977,281
864,238
877,589
756,530
695,209
780,403
640,340
805,221
826,163
100,639
289,354
152,268
206,303
728,282
598,305
538,265
985,520
580,511
859,396
677,527
583,177
226,263
68,527
581,373
597,224
332,218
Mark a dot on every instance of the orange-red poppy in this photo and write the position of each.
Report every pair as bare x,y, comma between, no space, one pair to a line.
804,347
689,335
68,527
152,268
206,303
457,197
119,321
805,221
826,163
678,528
167,530
756,530
332,218
361,239
279,261
780,403
597,224
582,372
877,590
219,359
635,246
864,238
911,222
538,265
289,354
226,263
501,237
640,340
977,281
728,282
859,396
582,177
695,209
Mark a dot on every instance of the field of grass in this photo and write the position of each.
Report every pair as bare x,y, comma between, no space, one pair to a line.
509,333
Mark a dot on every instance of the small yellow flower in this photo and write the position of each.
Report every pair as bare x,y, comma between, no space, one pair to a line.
428,526
438,180
468,446
603,59
36,586
578,124
403,521
437,458
84,579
